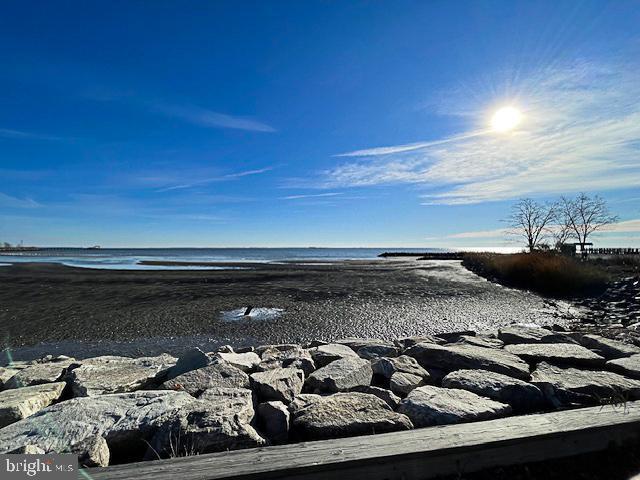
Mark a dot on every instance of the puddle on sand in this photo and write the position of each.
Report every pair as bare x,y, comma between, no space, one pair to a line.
259,313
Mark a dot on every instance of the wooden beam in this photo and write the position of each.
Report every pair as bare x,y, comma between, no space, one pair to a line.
415,454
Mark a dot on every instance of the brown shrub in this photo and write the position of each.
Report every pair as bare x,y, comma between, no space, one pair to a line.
546,273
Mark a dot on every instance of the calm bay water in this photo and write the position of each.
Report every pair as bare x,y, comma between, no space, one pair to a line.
129,258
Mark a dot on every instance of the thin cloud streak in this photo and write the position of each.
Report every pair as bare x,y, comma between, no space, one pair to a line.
210,119
22,135
372,152
626,226
8,201
221,178
581,131
313,195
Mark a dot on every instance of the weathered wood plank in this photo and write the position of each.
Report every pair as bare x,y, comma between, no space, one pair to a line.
408,455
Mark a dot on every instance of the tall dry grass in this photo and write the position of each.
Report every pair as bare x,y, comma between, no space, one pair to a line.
546,273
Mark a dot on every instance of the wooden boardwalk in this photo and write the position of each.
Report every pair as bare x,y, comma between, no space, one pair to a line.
411,455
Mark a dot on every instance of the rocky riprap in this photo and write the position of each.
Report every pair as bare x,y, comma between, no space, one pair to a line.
618,305
117,409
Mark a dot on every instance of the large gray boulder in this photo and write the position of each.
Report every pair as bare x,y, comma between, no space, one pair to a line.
110,374
276,356
609,349
16,404
273,419
369,352
279,384
522,396
6,373
386,367
429,405
125,420
342,415
570,386
323,355
629,366
463,356
341,375
219,420
92,452
38,374
516,334
247,362
215,375
561,353
402,383
192,359
387,396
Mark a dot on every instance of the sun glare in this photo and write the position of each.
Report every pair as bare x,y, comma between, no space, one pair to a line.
506,119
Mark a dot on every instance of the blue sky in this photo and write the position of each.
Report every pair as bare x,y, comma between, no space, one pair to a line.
128,123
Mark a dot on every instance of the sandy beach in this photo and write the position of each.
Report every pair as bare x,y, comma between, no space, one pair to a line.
84,312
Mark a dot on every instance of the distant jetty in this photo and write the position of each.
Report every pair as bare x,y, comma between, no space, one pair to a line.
425,256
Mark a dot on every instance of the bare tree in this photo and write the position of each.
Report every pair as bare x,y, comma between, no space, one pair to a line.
584,215
531,220
561,231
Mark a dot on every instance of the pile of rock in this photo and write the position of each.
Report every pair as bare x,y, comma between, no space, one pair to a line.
118,409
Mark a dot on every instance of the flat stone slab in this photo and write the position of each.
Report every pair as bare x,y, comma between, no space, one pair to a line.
629,366
17,404
325,354
517,334
564,353
428,405
341,375
357,343
215,375
609,349
110,374
278,384
38,374
343,415
481,341
462,356
522,396
567,386
408,342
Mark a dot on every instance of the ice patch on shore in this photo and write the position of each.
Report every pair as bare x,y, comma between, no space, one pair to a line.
260,313
5,264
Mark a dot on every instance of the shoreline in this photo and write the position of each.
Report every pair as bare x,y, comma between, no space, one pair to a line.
380,298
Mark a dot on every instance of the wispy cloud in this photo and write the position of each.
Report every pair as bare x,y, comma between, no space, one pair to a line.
22,135
14,202
627,226
581,131
210,119
313,195
221,178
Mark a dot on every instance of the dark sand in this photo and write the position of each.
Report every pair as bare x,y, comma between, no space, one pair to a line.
85,312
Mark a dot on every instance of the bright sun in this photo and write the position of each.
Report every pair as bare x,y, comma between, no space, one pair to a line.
505,119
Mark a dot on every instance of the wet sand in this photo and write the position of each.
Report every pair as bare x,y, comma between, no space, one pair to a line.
85,312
